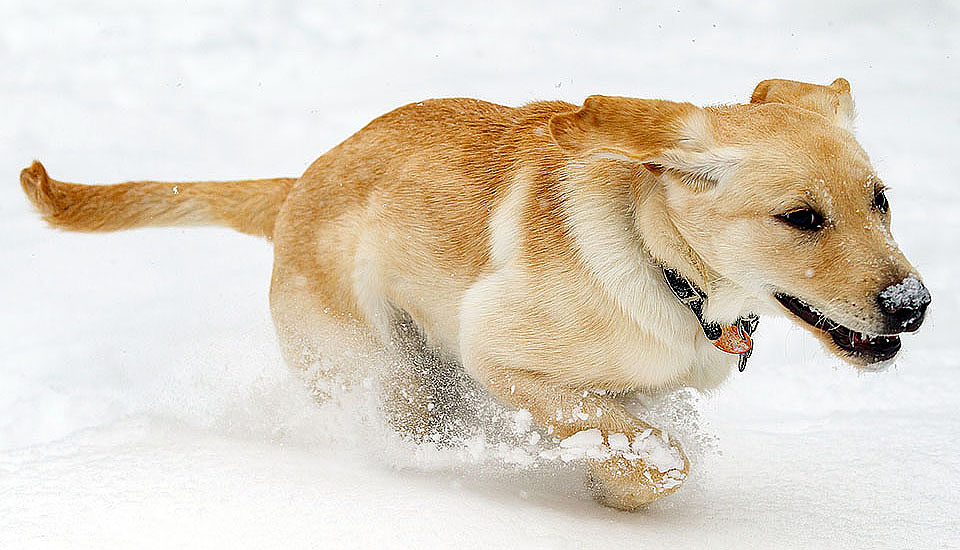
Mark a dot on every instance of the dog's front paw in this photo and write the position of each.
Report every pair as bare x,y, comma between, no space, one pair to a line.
652,468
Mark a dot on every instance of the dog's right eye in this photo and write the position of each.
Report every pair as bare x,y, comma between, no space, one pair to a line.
804,218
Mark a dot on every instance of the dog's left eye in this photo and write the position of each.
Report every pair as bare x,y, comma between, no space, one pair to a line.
880,201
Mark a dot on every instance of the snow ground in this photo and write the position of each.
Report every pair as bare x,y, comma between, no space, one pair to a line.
143,402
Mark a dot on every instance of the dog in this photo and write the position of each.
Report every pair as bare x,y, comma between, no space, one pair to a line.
566,255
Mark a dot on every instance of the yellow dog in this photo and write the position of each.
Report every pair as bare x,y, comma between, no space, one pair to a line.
566,255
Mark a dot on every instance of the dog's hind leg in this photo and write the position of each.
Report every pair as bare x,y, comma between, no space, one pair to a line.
318,337
424,396
428,397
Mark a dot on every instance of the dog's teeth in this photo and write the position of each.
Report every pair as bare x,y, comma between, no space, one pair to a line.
864,338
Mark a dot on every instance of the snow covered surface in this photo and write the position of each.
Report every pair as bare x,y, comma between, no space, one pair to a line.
143,402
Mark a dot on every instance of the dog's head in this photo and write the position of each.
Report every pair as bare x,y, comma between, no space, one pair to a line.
778,198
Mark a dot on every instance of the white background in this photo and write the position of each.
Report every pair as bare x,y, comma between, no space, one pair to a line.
143,402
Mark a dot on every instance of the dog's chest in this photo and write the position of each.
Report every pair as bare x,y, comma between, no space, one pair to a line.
668,353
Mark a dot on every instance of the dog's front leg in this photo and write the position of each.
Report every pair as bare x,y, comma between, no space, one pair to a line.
643,465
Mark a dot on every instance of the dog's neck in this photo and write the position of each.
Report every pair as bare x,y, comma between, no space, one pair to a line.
666,247
619,219
663,240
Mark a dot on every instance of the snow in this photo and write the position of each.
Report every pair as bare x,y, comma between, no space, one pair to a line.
583,440
143,401
907,294
657,452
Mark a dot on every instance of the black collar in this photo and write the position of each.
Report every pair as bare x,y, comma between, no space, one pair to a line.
694,298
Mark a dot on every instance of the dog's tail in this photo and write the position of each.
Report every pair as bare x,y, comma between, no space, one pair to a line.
249,206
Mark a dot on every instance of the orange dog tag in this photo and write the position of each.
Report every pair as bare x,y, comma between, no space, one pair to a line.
733,340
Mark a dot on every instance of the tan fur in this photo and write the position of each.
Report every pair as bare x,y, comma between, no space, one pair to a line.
833,102
527,243
247,206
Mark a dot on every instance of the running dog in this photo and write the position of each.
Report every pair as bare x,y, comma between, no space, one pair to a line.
566,255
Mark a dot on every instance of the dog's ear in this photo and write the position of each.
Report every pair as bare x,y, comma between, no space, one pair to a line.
671,140
632,128
834,101
699,169
697,159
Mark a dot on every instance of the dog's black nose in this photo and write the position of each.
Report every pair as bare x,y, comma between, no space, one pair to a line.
905,303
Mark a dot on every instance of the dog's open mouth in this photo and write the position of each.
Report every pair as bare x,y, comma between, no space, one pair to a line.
871,347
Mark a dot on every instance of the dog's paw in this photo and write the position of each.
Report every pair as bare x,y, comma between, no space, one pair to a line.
653,469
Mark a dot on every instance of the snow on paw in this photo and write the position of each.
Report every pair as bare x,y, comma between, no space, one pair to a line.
652,468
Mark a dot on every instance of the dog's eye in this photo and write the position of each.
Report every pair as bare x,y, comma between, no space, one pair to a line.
804,218
880,201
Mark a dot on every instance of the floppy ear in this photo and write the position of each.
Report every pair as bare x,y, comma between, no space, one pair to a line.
667,138
634,128
834,101
696,167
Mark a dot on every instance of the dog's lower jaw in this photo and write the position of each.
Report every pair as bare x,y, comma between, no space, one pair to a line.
861,361
858,349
